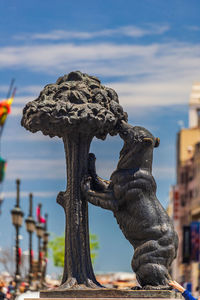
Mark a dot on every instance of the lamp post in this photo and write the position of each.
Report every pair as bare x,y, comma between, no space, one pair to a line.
45,243
30,227
17,218
40,233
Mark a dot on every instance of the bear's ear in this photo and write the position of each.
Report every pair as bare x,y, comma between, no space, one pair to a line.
157,142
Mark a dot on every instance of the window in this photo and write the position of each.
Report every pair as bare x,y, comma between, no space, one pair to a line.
182,177
183,200
190,194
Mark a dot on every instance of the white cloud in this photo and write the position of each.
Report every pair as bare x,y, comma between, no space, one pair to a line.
130,31
35,169
64,56
21,100
30,89
193,28
150,75
55,169
4,89
21,90
25,136
152,93
158,61
39,194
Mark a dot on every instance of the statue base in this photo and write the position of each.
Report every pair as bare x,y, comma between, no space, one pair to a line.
111,294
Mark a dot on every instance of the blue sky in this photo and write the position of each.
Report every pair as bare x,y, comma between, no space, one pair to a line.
148,51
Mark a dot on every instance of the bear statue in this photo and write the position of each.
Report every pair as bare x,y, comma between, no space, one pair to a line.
131,196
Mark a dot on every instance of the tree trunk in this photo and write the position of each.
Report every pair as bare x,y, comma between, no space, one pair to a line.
78,272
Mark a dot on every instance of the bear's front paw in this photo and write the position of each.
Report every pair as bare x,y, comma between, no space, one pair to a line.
86,184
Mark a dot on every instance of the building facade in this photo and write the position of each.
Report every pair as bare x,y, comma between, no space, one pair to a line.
184,204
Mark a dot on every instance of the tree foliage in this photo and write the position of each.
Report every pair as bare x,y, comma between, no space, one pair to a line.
57,246
75,101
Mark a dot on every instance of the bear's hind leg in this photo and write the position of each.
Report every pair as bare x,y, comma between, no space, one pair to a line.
153,277
151,262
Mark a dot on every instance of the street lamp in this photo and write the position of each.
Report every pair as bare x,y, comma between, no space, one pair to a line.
30,227
45,243
40,234
17,219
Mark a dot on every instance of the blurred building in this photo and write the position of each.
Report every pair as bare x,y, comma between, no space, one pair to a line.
184,204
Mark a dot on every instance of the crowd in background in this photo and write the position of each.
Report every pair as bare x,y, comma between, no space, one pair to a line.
7,290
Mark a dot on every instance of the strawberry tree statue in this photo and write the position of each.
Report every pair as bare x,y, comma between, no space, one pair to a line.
76,108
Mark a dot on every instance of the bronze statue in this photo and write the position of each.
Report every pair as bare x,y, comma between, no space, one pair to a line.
131,195
77,108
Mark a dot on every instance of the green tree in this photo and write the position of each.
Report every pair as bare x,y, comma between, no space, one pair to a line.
57,246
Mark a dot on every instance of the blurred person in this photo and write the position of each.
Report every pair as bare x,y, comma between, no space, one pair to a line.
27,287
22,287
11,286
3,287
185,293
2,294
11,289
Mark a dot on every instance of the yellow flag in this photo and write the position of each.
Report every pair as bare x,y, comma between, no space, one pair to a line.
10,100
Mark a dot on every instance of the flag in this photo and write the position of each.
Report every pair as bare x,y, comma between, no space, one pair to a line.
41,255
5,109
19,255
32,255
3,165
41,258
186,255
195,239
40,219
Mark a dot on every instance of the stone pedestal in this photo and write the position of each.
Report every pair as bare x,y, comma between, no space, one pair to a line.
109,294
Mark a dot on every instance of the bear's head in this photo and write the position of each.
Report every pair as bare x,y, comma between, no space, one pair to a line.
137,151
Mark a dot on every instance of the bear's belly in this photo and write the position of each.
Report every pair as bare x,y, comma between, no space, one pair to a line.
142,220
